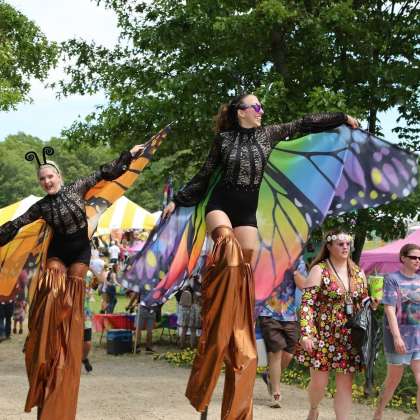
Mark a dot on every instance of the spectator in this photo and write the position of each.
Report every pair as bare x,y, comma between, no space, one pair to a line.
280,329
19,312
401,324
97,267
133,301
336,291
111,289
114,252
190,308
6,313
146,317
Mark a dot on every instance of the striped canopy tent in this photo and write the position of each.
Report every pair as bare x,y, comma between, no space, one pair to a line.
125,214
17,209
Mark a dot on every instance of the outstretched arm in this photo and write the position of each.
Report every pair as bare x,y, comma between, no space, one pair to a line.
311,123
9,230
192,192
108,171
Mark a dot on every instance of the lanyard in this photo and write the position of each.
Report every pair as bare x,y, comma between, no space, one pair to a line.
347,293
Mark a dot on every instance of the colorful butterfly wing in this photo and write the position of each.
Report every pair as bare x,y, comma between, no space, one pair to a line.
376,172
173,252
319,174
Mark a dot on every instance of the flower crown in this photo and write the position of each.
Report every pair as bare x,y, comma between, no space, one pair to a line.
340,236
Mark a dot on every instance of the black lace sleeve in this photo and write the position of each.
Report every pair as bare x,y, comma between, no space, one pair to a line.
312,123
9,230
192,192
108,172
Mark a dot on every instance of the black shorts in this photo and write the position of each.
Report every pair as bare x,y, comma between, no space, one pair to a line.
71,248
240,206
279,335
87,334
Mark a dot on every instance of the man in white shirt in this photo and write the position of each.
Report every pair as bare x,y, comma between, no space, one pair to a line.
114,252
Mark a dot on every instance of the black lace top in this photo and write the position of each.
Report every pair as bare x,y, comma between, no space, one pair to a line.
65,211
243,154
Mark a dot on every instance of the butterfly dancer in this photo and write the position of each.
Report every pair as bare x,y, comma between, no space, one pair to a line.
53,349
240,149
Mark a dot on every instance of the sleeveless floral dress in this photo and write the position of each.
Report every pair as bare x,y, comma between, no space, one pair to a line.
323,317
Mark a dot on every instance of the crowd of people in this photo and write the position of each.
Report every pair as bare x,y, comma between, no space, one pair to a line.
312,326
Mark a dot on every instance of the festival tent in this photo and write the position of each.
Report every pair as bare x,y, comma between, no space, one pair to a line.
124,215
386,258
17,209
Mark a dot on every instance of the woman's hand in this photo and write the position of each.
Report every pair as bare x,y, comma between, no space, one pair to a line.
307,344
136,149
168,210
374,303
352,122
399,345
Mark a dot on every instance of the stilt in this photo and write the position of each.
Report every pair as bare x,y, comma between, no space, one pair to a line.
204,414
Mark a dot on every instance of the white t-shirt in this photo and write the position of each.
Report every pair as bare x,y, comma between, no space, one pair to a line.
114,251
97,266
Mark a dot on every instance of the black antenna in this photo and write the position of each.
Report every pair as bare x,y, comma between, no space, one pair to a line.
30,156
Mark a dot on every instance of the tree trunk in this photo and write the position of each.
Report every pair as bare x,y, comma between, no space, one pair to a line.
360,236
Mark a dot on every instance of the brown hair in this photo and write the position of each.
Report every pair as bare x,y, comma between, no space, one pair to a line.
406,249
227,117
324,253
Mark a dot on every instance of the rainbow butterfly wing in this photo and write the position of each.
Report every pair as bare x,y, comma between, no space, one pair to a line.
172,253
317,175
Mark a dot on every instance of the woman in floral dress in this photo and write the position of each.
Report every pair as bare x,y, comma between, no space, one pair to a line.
337,290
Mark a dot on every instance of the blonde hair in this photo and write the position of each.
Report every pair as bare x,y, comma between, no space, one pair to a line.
49,164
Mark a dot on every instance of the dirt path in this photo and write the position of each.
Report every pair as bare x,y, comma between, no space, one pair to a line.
138,388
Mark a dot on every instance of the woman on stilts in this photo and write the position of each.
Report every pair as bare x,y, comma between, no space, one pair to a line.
53,349
241,149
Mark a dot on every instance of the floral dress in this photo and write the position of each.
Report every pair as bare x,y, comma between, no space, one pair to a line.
323,317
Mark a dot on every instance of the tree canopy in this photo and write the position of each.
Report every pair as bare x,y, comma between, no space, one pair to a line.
25,54
180,60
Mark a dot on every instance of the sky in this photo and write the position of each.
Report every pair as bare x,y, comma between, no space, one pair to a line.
59,20
62,20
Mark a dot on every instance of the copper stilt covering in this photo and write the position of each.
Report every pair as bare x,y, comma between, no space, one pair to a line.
53,350
228,331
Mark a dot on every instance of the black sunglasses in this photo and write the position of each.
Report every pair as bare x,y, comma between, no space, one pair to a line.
413,257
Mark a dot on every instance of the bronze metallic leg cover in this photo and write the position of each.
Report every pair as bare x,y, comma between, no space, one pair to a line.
53,351
227,332
241,357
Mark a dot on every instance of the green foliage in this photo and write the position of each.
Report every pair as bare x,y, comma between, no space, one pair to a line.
25,53
180,60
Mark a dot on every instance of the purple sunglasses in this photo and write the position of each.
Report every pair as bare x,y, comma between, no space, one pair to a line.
256,107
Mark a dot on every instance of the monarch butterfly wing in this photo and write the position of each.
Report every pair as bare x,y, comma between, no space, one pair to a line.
25,253
103,194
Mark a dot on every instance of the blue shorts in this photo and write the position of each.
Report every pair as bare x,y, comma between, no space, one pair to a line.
401,359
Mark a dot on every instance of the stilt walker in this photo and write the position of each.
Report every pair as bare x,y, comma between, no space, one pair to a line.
60,243
241,149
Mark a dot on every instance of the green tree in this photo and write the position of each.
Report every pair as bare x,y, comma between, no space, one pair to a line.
179,60
25,54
